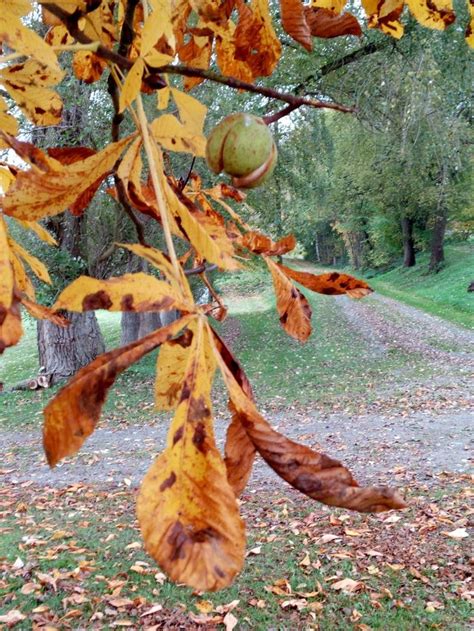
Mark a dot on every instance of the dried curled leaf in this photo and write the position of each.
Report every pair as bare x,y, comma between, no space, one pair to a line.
130,292
314,474
261,244
239,449
44,313
331,284
187,511
293,308
326,24
294,22
73,413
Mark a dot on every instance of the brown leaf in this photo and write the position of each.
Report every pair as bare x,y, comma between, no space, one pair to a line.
331,284
186,509
293,308
44,313
73,413
294,22
239,449
10,324
256,43
325,23
261,244
51,187
314,474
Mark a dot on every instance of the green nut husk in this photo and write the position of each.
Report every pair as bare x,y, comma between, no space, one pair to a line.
242,146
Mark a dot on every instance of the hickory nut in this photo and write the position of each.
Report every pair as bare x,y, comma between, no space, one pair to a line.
242,146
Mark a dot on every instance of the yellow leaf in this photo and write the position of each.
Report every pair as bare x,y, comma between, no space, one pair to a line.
6,271
22,280
23,40
37,266
187,511
174,136
191,111
38,229
130,292
48,192
156,60
9,124
208,238
132,84
73,413
58,35
336,6
437,14
157,24
385,15
163,263
163,97
6,176
470,26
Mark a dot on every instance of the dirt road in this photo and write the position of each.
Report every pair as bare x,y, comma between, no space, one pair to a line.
412,430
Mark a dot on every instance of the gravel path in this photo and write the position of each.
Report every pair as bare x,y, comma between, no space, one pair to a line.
413,432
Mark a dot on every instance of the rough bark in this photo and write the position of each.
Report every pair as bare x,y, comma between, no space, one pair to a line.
409,258
62,351
439,225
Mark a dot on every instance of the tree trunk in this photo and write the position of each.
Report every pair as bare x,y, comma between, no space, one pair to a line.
129,324
63,350
437,243
409,259
440,221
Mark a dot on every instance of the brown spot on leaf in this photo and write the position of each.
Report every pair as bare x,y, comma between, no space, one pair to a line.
218,571
177,539
178,434
99,300
199,438
334,276
168,483
199,409
126,304
183,340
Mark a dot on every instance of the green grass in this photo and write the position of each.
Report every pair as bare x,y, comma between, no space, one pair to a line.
94,552
443,294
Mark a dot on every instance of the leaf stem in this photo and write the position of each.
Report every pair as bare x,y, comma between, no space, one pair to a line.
149,150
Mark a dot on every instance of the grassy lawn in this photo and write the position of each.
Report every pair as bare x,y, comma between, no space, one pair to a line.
443,294
74,558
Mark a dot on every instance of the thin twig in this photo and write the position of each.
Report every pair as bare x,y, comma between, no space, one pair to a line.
183,182
273,118
200,269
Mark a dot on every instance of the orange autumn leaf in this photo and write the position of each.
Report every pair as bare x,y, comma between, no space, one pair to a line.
73,413
131,292
326,24
44,313
261,244
331,284
293,308
50,187
314,474
239,449
10,324
186,509
88,66
294,22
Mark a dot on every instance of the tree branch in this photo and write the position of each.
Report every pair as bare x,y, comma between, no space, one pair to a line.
273,118
70,20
